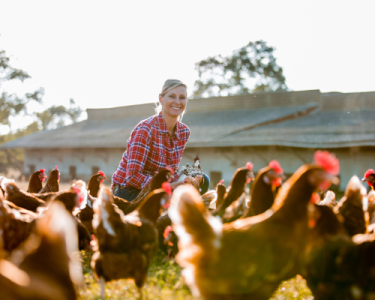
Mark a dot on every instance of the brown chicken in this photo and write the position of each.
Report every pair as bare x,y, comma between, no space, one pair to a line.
36,181
15,224
249,258
240,179
164,175
350,207
126,244
369,177
263,190
215,198
337,267
49,268
94,183
20,198
52,184
76,197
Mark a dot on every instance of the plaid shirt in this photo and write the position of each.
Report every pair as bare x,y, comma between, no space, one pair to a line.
150,148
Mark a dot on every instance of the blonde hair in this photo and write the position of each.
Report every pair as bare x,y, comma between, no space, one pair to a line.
168,85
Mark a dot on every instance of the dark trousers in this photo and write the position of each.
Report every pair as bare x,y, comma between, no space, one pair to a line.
130,193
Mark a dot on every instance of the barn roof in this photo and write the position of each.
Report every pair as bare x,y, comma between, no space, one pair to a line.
307,119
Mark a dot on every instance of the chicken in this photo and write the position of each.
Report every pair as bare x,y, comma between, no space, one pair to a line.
350,207
336,266
240,179
52,184
15,225
94,183
369,177
36,181
248,258
263,190
87,214
20,198
156,183
76,197
215,198
49,267
371,208
125,245
329,200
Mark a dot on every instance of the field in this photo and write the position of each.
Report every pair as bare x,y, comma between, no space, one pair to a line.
165,282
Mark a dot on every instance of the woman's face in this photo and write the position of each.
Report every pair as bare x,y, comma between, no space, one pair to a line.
174,102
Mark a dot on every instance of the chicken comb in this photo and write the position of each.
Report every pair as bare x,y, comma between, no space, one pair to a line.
221,181
369,172
327,161
170,169
274,164
167,188
167,230
42,170
249,165
315,198
56,168
101,173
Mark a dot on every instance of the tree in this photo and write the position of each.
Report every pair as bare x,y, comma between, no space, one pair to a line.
252,68
56,116
13,105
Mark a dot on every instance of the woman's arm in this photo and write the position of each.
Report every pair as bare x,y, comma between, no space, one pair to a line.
138,149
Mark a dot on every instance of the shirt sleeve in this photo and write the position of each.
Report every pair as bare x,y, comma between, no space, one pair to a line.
138,149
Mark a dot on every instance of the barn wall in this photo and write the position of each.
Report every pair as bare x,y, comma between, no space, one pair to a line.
353,161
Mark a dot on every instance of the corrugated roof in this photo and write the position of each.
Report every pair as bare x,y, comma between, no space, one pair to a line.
306,119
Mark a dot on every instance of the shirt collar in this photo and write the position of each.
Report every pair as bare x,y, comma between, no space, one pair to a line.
163,126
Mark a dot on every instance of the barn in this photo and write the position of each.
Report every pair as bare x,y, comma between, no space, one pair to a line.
226,132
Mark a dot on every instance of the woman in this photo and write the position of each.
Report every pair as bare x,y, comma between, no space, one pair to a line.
155,143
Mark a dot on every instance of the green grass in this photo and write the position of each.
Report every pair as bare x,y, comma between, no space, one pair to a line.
165,282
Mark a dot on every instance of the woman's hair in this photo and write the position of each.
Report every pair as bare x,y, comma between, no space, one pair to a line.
170,84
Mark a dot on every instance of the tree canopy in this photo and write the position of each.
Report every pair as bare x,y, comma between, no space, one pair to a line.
252,68
12,105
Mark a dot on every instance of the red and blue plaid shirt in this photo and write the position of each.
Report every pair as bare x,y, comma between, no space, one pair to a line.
150,148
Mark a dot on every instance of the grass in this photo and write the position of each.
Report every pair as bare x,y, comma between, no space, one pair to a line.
165,282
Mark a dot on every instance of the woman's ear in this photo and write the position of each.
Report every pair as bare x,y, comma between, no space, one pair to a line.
160,99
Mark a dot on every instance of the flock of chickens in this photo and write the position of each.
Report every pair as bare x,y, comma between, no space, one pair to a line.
232,243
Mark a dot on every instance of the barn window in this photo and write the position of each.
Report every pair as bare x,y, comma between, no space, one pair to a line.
95,170
215,177
31,169
73,172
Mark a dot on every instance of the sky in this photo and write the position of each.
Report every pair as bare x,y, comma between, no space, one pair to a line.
115,53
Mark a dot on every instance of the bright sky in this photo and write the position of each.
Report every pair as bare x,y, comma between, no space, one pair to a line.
114,53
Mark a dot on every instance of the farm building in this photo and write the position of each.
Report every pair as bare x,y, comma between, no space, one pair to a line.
226,132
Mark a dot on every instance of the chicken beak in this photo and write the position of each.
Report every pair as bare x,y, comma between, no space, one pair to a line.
364,179
282,176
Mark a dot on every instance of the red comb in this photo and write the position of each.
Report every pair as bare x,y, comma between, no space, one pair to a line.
221,181
101,173
369,172
274,164
315,198
167,188
169,169
167,230
42,170
55,167
249,165
327,161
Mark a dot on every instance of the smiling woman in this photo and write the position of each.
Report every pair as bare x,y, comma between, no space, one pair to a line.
155,143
